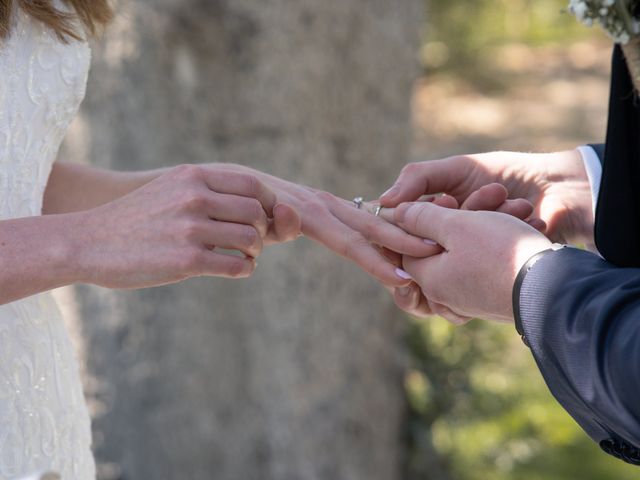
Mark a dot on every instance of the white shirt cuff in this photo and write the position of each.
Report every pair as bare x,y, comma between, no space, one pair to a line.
594,172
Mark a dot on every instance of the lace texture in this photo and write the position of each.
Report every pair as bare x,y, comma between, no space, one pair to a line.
44,423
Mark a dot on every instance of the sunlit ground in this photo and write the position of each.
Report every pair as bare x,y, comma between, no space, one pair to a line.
529,99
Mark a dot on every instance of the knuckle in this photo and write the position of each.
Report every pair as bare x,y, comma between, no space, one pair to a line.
325,197
403,302
461,163
370,228
424,213
256,212
191,230
416,217
193,200
237,267
187,171
313,208
404,209
190,262
411,169
250,184
250,237
353,244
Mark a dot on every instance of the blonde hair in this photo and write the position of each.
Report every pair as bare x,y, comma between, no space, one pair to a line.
92,15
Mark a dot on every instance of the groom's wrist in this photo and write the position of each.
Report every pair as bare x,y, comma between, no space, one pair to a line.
520,278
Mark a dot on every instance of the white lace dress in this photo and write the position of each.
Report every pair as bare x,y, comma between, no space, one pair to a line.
44,424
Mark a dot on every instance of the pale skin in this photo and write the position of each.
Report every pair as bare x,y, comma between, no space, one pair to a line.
475,273
472,274
143,229
139,230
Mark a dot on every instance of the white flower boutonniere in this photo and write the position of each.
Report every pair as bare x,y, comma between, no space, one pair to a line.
621,20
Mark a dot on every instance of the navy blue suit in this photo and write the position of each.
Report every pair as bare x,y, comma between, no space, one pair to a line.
580,313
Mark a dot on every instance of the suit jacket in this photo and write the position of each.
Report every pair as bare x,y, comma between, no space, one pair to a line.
580,313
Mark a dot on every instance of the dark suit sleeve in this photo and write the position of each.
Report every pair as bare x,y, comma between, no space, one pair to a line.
580,316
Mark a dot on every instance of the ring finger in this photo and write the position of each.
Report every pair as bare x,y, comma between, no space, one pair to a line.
241,210
380,231
232,236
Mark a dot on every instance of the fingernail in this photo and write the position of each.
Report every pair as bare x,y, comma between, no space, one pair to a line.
404,291
402,274
391,192
428,241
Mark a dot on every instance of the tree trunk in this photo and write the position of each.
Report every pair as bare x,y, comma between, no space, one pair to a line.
297,372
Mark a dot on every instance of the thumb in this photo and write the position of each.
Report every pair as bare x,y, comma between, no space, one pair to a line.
425,220
285,226
424,178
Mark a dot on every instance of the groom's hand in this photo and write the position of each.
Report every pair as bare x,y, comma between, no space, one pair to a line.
555,183
493,197
482,254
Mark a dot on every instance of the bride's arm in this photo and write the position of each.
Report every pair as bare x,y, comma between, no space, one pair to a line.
325,218
73,187
160,233
38,254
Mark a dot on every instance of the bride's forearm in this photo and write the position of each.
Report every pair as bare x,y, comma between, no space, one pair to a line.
73,187
158,231
38,254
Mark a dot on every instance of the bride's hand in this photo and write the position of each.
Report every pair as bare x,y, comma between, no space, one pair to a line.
171,229
350,232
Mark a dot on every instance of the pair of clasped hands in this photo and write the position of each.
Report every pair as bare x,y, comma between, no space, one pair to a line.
449,239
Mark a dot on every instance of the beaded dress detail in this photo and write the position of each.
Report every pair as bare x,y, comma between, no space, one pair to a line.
44,423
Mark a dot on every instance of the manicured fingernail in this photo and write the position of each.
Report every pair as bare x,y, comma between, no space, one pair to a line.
391,192
428,241
402,274
404,291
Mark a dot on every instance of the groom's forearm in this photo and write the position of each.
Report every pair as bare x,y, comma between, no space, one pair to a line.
73,187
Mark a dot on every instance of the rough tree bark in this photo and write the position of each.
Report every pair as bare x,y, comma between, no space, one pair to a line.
296,373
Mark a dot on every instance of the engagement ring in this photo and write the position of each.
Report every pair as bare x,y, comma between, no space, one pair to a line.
358,201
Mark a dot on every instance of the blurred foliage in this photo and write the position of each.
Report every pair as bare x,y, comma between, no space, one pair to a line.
460,34
480,410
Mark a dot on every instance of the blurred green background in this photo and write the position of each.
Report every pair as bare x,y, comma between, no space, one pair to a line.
475,394
459,35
